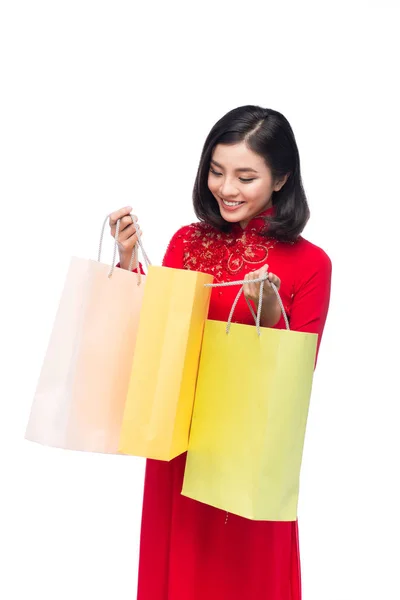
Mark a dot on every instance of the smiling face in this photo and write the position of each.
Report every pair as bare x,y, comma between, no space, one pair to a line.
241,182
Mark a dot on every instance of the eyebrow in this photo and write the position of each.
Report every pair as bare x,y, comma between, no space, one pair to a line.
241,170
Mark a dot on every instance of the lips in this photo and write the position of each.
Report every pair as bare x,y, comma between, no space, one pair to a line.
231,205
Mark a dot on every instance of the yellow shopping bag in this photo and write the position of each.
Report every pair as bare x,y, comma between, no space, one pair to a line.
249,418
81,392
161,392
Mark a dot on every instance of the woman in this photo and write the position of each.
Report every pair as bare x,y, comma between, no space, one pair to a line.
251,206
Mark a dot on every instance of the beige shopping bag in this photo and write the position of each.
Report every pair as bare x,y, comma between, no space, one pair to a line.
81,393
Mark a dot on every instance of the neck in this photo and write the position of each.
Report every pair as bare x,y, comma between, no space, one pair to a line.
243,224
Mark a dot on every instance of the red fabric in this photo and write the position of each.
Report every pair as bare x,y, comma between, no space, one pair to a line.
187,551
118,265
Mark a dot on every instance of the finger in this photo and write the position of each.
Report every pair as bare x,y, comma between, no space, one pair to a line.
275,280
129,232
264,272
127,244
252,287
246,286
119,214
253,275
125,222
255,287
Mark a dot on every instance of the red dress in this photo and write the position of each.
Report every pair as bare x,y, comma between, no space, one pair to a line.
187,550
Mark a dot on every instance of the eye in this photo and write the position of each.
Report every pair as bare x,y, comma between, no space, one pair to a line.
242,179
215,172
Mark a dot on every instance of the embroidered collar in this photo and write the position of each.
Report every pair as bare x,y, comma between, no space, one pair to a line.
257,223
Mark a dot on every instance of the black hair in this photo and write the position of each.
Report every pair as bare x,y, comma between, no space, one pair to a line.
269,134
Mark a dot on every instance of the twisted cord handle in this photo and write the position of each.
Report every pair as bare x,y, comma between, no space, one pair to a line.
144,253
257,318
135,251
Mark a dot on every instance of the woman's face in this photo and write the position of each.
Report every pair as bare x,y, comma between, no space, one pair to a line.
241,182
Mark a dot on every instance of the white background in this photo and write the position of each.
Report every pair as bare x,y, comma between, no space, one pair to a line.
105,104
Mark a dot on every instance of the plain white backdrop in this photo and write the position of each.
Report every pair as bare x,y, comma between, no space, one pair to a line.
106,104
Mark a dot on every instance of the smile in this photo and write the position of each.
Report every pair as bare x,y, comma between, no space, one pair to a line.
231,204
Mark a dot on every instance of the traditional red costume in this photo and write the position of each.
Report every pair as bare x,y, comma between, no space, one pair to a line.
188,551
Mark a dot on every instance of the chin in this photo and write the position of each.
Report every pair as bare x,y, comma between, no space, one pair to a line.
230,218
235,217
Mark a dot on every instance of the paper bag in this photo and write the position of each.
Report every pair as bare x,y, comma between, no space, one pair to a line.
249,420
161,391
81,393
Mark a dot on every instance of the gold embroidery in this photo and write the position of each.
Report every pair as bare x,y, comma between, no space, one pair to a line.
220,254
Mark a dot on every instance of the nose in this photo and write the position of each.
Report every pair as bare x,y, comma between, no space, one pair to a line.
228,189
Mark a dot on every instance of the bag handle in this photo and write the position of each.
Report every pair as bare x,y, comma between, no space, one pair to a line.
135,252
257,318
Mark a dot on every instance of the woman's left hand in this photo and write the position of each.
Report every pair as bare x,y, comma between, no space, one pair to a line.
271,311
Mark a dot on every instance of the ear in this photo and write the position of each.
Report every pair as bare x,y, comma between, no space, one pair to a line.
279,184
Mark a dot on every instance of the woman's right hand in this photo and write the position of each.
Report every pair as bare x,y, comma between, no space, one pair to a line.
127,234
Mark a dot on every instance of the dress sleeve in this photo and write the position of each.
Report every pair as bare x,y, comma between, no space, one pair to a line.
312,296
118,266
173,257
174,254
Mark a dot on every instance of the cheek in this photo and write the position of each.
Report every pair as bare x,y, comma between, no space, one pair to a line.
212,186
254,193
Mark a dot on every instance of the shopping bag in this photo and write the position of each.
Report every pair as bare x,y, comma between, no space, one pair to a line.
81,392
161,391
249,418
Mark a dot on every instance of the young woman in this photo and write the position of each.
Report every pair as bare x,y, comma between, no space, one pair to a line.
249,199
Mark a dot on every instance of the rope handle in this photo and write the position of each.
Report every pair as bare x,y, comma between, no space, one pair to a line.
135,251
257,318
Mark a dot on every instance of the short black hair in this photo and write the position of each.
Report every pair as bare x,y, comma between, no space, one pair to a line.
269,134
